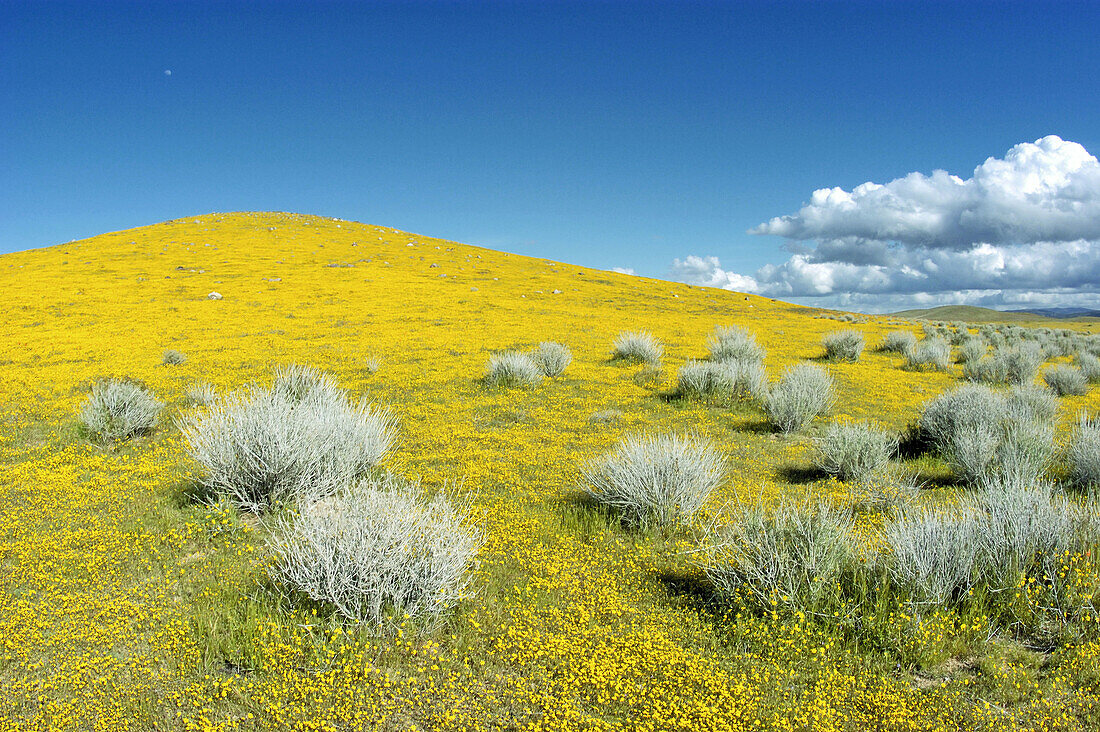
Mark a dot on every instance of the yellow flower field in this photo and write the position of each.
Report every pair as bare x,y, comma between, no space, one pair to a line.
127,604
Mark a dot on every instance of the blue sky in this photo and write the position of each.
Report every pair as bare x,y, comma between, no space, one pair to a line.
608,135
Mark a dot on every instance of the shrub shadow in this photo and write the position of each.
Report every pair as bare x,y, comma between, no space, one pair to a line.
926,480
623,361
912,443
582,511
505,419
758,427
687,588
191,492
801,474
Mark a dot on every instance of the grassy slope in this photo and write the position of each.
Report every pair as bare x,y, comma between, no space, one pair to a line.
125,605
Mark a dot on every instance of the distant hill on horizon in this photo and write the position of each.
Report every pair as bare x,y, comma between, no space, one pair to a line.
973,313
1062,313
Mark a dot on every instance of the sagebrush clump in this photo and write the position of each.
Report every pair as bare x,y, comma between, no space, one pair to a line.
1007,365
118,409
932,555
1023,528
805,391
931,353
845,345
1015,450
960,332
1010,534
371,364
512,368
793,556
734,344
856,451
722,380
971,349
1030,401
961,409
984,439
552,358
172,358
1066,380
656,480
202,394
885,491
378,550
898,341
1090,366
1083,456
637,346
299,440
296,383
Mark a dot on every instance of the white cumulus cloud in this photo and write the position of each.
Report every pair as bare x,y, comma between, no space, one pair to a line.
1023,228
708,271
1048,190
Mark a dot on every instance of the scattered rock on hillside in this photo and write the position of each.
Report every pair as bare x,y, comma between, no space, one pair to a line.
214,296
556,292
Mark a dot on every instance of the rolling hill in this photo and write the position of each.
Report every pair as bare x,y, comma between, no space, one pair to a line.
130,601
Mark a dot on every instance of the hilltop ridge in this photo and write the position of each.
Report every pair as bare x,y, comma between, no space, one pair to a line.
232,249
294,263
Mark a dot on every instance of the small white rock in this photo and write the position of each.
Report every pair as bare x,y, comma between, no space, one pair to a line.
214,296
556,292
